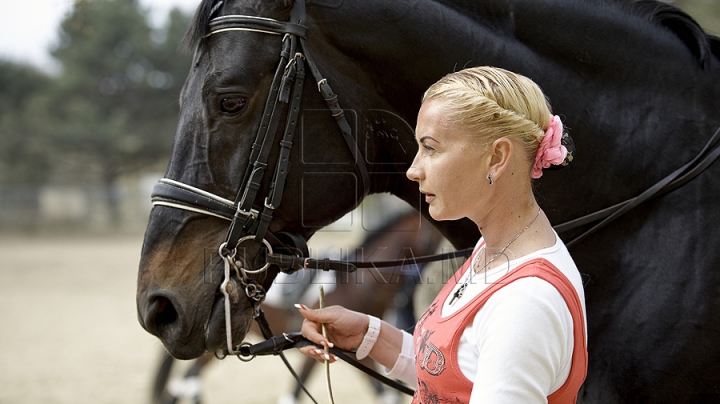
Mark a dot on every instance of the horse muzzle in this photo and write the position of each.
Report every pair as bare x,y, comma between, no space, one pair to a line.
189,330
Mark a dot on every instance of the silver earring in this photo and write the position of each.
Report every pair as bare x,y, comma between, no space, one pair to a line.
490,180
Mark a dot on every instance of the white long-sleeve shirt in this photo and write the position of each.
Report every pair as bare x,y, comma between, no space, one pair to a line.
519,346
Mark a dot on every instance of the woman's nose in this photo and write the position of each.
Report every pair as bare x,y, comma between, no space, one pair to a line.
414,173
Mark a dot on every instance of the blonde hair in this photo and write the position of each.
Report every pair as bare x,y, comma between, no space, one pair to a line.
494,103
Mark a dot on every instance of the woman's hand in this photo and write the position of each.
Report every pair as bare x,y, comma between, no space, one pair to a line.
345,329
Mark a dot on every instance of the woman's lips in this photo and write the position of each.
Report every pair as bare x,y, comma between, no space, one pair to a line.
428,196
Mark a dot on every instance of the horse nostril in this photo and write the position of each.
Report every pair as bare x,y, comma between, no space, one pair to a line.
160,316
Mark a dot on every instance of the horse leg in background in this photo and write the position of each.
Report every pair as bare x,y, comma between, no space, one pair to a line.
190,384
281,317
159,392
169,391
307,369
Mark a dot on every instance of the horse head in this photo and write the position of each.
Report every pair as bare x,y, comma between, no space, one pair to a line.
229,182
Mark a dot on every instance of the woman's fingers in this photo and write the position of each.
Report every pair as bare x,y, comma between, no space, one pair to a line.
345,328
313,332
311,327
326,315
318,354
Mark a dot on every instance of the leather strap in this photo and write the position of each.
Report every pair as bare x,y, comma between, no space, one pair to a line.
694,167
257,24
337,112
283,165
175,194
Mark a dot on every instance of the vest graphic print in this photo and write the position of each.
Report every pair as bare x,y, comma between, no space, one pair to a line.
440,379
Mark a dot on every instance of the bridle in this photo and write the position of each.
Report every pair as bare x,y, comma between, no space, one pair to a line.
247,224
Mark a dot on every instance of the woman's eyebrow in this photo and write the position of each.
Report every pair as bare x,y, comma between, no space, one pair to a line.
422,139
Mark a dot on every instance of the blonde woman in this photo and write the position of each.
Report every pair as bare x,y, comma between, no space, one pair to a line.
510,326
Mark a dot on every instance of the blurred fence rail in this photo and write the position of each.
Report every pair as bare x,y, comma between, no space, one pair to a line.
76,207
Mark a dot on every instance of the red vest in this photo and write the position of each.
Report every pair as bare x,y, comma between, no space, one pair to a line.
439,377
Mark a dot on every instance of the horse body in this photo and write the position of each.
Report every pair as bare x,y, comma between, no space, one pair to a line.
636,83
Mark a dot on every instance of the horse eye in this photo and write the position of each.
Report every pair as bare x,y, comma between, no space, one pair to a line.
232,105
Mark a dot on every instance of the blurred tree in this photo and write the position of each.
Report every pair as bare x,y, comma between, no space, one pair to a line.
114,105
23,152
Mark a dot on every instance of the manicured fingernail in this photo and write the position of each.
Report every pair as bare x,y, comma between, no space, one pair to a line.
327,357
300,306
318,352
327,344
334,358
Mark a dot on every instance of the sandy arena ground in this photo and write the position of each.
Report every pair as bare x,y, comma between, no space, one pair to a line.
70,334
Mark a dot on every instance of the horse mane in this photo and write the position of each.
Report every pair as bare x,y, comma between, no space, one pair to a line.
665,16
701,45
201,20
199,25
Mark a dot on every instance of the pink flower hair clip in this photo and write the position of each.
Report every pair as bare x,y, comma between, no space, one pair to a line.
550,152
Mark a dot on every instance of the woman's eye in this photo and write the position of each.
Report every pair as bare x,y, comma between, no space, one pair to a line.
428,148
232,105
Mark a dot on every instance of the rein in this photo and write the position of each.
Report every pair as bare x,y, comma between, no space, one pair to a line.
276,345
677,178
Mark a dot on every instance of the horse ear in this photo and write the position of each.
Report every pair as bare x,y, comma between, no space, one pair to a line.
200,23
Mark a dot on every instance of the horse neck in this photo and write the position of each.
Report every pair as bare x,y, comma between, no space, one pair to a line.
401,47
613,75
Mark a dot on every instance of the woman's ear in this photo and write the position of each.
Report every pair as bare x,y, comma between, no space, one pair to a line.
501,151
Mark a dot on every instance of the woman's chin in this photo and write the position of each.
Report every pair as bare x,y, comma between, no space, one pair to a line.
440,214
437,214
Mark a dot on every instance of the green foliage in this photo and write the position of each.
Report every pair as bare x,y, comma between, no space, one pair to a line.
115,103
23,152
112,109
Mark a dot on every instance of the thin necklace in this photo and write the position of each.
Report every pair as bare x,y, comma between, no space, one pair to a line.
461,290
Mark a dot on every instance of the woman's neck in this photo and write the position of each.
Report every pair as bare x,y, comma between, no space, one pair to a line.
502,224
513,224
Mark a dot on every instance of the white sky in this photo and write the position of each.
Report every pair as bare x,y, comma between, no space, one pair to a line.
28,28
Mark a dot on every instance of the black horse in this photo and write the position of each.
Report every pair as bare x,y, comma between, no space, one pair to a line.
637,82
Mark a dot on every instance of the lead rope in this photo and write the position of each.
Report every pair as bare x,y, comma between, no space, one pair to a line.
321,303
